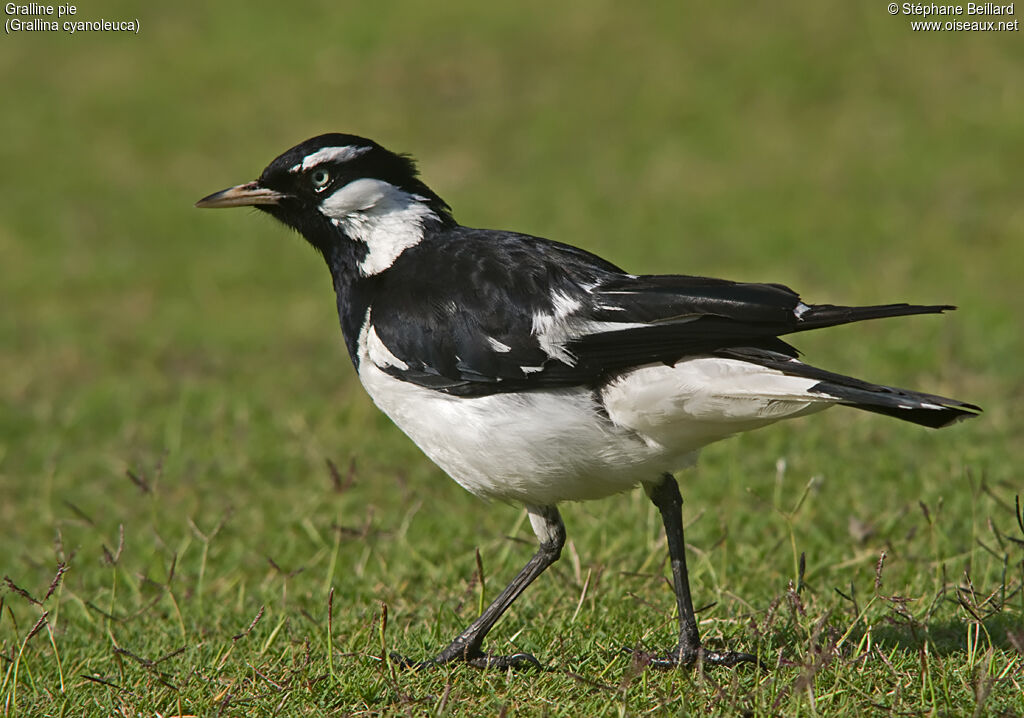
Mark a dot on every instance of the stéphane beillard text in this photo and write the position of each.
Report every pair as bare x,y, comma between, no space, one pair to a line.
985,8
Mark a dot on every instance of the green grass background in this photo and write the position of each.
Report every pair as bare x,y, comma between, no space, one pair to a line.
823,145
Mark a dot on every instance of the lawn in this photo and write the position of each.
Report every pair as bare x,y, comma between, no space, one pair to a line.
201,513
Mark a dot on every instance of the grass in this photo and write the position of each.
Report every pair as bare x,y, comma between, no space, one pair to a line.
173,385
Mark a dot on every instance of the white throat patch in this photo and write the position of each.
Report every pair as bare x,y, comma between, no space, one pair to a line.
386,219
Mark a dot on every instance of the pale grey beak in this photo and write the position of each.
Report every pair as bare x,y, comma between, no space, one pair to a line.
249,194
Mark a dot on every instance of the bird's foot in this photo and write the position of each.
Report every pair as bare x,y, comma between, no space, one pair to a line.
516,661
479,659
687,658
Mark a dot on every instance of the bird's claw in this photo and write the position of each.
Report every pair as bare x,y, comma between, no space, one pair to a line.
404,663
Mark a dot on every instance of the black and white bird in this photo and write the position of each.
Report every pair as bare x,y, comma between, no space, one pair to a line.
535,372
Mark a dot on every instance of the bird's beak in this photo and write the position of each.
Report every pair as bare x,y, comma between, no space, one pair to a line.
249,194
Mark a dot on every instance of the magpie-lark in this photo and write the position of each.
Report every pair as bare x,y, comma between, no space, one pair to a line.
535,372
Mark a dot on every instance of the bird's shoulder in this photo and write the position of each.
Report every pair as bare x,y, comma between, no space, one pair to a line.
479,257
460,309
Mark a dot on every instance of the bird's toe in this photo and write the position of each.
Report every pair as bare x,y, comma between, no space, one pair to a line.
517,661
685,659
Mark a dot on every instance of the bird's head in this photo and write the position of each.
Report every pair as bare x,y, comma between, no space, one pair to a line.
339,188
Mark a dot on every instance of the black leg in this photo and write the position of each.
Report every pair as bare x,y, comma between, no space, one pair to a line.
665,496
468,645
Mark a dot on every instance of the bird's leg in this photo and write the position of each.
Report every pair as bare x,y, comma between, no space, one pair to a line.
468,645
665,496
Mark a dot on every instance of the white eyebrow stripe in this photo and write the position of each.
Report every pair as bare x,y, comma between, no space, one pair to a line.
329,154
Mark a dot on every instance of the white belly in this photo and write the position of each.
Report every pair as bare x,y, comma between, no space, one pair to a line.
546,446
535,448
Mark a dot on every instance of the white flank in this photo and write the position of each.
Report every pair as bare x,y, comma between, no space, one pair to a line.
574,444
704,399
386,219
329,154
371,347
380,354
537,448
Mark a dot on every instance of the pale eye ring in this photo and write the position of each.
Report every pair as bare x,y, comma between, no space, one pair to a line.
320,179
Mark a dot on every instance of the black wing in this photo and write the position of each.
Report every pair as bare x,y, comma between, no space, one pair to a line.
684,315
499,312
459,309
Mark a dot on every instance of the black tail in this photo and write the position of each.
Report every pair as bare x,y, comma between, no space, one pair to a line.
817,316
913,406
917,407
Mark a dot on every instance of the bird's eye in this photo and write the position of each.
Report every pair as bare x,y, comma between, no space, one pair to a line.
320,178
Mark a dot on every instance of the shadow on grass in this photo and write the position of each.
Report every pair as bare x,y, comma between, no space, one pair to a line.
944,638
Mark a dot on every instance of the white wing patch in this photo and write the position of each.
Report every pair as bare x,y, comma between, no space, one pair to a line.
329,154
497,346
554,330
